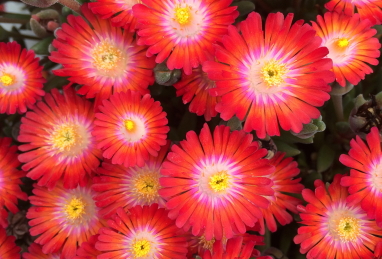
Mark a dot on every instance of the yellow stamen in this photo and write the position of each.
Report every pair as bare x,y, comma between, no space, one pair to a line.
65,137
182,15
7,79
106,56
348,229
147,186
342,42
273,73
219,181
75,209
130,125
206,244
141,248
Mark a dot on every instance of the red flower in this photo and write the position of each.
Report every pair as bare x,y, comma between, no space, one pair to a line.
280,77
35,252
21,79
130,127
146,232
185,27
9,180
59,141
216,181
87,250
8,248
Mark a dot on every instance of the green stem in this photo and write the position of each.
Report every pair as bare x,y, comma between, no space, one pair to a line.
338,107
12,20
12,34
71,4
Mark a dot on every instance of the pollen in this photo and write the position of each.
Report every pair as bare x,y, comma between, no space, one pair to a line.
65,137
75,209
219,181
273,73
106,56
141,248
7,79
348,229
206,244
147,186
342,42
183,15
129,125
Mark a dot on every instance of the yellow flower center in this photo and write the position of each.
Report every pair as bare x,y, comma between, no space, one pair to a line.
75,209
219,181
106,56
273,73
141,248
342,42
348,229
206,244
183,15
129,125
7,79
147,186
65,137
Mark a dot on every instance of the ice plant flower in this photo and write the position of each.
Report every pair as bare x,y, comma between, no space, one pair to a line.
102,58
21,79
333,227
9,180
120,12
8,248
283,183
216,181
145,232
185,27
59,141
365,180
351,45
63,219
130,128
280,76
35,252
126,187
87,250
367,9
195,89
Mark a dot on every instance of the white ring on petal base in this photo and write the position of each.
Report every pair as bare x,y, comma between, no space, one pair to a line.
137,235
376,176
139,132
17,73
339,56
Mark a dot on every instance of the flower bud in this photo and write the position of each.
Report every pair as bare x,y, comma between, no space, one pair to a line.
165,76
45,22
40,3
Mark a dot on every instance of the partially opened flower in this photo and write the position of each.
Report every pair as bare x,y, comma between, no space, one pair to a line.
8,248
214,183
120,12
195,89
9,180
87,249
277,77
35,252
126,187
351,45
187,28
63,219
102,58
368,9
130,128
333,227
59,140
145,232
21,79
283,183
365,180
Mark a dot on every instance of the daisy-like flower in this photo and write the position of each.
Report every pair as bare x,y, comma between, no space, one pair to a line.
283,183
58,133
119,11
334,228
368,9
146,232
130,128
87,250
8,248
21,79
9,180
351,45
63,219
280,76
35,252
365,180
126,187
195,89
102,58
215,181
185,27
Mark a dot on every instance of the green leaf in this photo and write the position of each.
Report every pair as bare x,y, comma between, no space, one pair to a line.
42,46
289,149
325,158
244,7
